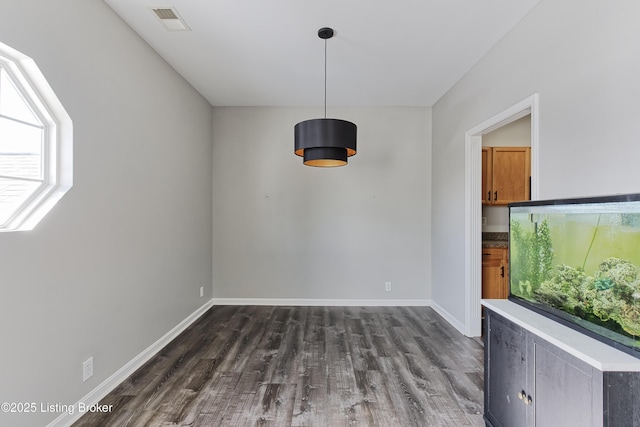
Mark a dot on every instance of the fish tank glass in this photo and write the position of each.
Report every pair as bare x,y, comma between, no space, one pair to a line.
578,262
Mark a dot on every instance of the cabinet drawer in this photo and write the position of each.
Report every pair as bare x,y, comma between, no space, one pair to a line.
493,254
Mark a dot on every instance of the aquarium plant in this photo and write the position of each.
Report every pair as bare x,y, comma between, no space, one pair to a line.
612,294
534,257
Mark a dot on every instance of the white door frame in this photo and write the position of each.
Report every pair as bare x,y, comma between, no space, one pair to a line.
473,203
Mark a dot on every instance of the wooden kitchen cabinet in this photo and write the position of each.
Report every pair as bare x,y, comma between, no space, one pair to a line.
506,175
487,175
495,273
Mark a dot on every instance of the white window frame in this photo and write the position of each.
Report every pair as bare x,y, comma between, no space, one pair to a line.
57,152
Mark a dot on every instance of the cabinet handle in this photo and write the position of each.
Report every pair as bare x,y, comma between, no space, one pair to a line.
485,254
489,196
502,271
495,196
528,400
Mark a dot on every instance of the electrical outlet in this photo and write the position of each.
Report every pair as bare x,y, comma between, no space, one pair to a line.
201,291
87,369
387,286
484,220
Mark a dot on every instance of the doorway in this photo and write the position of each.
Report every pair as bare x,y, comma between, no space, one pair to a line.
473,205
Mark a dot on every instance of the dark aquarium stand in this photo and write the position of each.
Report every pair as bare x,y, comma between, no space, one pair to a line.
539,372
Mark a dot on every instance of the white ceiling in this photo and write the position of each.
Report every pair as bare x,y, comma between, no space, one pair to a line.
268,53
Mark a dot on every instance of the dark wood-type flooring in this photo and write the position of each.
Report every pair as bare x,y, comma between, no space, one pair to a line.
306,366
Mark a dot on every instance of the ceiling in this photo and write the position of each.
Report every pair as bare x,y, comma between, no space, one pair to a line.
268,53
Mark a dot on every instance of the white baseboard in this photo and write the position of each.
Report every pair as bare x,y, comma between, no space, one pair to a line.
323,302
123,373
448,317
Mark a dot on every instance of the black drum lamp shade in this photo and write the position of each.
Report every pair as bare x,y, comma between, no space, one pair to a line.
325,142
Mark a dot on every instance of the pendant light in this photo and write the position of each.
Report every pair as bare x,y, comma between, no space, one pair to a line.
325,142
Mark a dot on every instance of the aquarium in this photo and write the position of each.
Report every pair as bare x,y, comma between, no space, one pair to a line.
578,261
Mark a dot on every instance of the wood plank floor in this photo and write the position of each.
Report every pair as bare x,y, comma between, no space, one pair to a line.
306,366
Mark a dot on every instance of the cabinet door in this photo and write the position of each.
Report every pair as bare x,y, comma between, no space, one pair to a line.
564,388
505,373
487,174
620,401
511,172
494,273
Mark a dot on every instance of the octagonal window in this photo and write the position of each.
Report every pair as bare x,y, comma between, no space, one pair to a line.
36,145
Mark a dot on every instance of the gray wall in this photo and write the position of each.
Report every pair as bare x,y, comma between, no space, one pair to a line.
285,230
583,58
120,260
514,134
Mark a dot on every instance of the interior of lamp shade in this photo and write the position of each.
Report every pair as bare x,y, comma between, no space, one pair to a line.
325,156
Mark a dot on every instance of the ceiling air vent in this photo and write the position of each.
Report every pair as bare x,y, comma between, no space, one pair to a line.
171,19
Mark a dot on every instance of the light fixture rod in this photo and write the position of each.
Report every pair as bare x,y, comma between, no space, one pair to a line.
325,78
325,33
